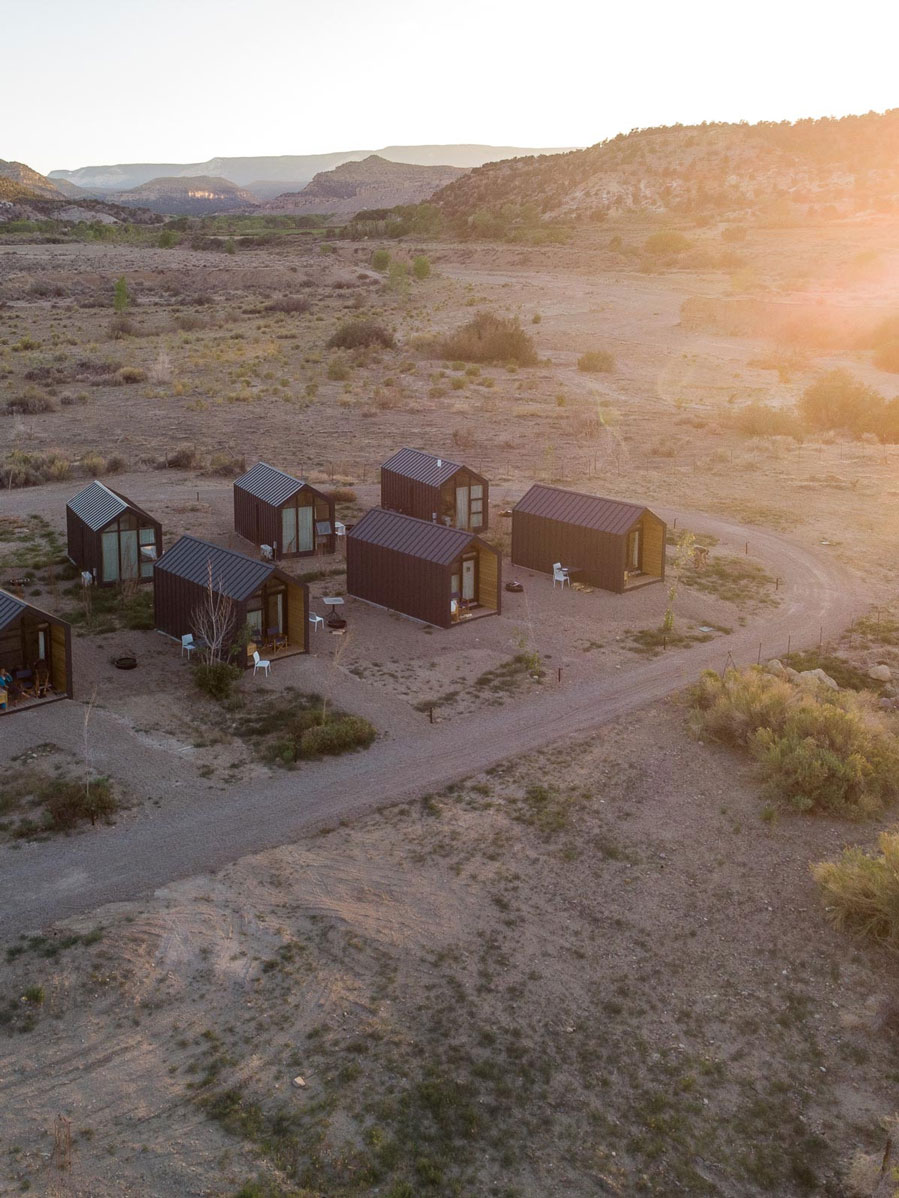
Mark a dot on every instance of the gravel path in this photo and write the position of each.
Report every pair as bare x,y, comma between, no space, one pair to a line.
40,883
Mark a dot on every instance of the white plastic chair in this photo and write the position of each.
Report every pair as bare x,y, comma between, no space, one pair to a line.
259,663
267,552
188,644
560,575
316,621
339,528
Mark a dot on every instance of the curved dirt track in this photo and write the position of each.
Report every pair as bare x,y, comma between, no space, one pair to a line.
42,883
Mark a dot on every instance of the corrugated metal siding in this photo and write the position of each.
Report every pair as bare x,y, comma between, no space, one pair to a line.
96,505
233,574
10,608
422,467
408,535
538,541
411,585
575,507
269,484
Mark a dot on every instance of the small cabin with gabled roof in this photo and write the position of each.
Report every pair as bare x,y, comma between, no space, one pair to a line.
273,508
431,488
436,574
269,609
605,543
111,536
35,651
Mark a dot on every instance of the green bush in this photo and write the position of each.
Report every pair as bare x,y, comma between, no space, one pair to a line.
839,401
489,338
421,267
762,420
30,403
861,890
69,802
336,736
216,679
380,259
356,334
598,361
667,242
817,750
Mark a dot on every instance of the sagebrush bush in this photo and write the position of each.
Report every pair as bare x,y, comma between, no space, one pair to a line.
489,338
421,267
69,803
293,305
861,890
21,469
818,750
762,420
356,334
838,401
667,242
131,374
596,361
336,736
344,495
30,403
216,679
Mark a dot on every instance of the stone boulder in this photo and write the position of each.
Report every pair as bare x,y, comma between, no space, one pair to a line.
817,678
881,673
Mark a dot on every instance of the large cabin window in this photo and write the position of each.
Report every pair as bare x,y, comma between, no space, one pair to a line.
297,532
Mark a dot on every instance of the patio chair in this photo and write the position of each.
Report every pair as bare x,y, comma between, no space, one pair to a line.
266,552
259,663
560,575
316,621
188,644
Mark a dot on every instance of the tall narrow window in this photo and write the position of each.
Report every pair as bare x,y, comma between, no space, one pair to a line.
477,506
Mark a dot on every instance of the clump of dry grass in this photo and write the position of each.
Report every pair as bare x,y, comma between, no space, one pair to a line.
861,890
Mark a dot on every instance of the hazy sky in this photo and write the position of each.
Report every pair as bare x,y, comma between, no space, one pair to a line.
103,81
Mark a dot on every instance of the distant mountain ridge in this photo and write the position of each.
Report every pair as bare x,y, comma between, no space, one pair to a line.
286,170
20,180
372,183
845,164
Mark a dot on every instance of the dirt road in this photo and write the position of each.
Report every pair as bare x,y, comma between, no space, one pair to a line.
40,883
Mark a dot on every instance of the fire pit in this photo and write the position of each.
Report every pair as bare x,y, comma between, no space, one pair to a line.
514,585
336,622
126,662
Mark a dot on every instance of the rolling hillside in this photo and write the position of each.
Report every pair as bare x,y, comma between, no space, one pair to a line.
836,166
372,183
194,196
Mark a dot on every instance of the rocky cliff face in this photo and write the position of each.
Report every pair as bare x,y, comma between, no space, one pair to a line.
18,180
372,183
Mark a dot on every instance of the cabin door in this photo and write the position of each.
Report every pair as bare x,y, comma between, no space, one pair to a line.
469,581
461,507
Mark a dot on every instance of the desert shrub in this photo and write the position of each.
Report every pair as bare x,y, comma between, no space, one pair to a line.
184,458
421,267
168,239
666,242
344,495
839,401
336,735
121,326
292,305
70,400
596,361
380,259
93,464
131,374
216,679
489,338
356,334
189,323
338,369
21,469
69,802
30,403
762,420
861,890
817,750
223,465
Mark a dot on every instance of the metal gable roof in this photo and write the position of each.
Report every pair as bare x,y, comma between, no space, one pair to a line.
10,608
423,467
269,484
414,537
97,504
574,507
233,574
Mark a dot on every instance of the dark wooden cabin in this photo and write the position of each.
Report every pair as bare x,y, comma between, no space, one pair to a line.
431,488
437,574
111,536
36,649
269,603
272,508
604,542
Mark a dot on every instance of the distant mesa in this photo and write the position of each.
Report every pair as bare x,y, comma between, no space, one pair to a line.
372,183
191,196
18,181
27,195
